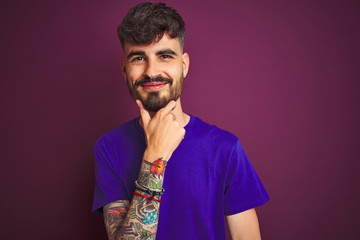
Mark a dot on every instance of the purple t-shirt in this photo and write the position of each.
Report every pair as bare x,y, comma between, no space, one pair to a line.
207,177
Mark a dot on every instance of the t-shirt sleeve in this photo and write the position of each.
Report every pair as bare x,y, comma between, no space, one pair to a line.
244,189
108,185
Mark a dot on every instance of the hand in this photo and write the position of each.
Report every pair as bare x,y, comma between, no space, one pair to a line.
162,132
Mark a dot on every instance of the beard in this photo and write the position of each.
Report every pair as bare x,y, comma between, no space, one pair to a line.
153,102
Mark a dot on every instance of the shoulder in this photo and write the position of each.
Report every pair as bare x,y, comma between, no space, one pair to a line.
123,133
212,131
116,146
214,135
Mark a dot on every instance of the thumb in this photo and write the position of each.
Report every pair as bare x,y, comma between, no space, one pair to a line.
144,114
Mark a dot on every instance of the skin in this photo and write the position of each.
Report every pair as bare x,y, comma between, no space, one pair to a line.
164,131
152,65
244,225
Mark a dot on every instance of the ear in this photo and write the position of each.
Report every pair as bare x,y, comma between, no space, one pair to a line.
123,67
186,63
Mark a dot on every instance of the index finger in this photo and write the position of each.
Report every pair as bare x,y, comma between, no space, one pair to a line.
144,114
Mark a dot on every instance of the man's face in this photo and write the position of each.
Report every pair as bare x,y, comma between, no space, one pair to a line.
155,72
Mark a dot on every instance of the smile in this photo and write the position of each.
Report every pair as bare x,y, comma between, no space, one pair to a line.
153,85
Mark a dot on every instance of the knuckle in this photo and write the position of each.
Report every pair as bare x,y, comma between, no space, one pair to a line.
183,131
160,114
170,116
166,116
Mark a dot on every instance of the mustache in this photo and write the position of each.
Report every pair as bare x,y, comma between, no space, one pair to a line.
157,79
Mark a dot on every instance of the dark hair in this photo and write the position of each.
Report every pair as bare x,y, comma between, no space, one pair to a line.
147,22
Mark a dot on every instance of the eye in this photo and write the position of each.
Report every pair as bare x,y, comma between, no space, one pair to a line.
137,59
165,56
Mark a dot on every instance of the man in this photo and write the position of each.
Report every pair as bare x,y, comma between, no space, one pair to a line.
204,169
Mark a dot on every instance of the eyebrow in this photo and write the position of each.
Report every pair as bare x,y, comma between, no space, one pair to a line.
166,51
142,53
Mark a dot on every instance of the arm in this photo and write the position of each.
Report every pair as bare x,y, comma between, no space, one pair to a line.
244,225
114,215
139,219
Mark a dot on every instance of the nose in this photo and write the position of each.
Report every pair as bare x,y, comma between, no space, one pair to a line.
152,69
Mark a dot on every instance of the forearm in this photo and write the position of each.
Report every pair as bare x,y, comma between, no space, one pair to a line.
163,135
141,220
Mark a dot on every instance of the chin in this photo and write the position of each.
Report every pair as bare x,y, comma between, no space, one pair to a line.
154,105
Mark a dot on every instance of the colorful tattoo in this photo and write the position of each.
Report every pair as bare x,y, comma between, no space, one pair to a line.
150,218
146,235
129,230
114,215
152,174
140,219
144,177
158,167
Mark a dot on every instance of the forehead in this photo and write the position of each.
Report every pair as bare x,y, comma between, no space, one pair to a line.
152,48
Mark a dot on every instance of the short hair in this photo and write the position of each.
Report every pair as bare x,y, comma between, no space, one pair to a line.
147,22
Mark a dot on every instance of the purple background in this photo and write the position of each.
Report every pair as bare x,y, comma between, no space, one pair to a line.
281,75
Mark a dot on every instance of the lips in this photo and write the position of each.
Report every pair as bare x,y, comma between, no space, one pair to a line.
153,85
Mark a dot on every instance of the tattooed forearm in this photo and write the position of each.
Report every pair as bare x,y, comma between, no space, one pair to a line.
114,215
152,174
140,219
